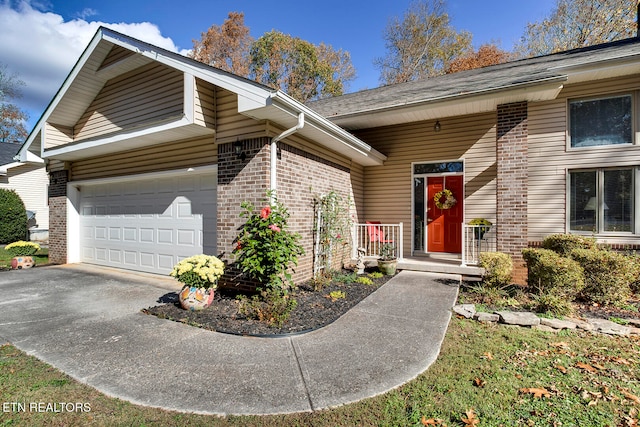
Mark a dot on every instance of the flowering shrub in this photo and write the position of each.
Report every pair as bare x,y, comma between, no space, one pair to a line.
22,248
265,249
199,271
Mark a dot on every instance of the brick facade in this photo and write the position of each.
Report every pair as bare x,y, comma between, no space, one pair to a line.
512,184
58,216
300,176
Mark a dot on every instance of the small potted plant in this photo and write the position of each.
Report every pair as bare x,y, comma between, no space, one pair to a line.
22,253
387,263
483,225
199,274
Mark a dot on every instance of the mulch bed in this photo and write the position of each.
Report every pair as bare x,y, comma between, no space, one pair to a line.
314,309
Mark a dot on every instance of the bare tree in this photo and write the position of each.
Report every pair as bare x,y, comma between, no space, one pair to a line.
12,118
579,23
422,44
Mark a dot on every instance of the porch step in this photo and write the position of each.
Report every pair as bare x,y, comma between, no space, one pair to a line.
440,267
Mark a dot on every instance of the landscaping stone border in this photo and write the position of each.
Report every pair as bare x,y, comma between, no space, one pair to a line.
529,319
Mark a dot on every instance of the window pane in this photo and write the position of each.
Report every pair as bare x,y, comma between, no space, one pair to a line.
601,122
583,201
618,200
438,167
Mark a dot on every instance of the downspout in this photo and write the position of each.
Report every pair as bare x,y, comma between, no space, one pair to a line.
274,153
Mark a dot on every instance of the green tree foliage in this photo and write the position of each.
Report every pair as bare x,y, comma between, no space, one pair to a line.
299,68
12,118
225,46
13,217
579,23
422,44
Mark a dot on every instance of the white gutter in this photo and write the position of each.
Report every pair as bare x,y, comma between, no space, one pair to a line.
274,153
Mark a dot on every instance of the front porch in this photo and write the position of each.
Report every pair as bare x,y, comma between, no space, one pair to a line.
370,238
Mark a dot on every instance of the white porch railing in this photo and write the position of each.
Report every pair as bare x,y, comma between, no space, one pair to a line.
371,237
477,239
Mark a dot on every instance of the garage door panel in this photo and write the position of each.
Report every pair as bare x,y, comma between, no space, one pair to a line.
148,225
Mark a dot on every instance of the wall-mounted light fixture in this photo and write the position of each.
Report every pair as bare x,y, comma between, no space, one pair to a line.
238,149
436,127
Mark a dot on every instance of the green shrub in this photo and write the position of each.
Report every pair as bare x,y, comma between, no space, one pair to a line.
498,268
22,248
635,261
271,307
608,275
554,304
550,273
364,281
564,244
13,217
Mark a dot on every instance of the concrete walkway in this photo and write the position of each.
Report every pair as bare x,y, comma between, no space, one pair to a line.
86,321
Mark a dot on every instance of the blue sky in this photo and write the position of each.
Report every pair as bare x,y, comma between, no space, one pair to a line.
40,40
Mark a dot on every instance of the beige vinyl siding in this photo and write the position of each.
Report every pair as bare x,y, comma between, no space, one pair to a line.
176,155
357,192
116,54
231,124
30,182
204,97
57,135
146,95
550,159
388,188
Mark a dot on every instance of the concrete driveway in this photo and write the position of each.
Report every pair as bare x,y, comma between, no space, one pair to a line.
86,321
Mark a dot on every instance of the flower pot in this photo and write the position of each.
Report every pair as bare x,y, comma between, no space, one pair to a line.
388,267
20,262
195,299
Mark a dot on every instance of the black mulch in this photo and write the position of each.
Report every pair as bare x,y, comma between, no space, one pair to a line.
314,309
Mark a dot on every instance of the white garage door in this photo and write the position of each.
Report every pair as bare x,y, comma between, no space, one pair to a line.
148,224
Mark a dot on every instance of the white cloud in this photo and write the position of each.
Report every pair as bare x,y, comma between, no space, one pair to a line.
42,48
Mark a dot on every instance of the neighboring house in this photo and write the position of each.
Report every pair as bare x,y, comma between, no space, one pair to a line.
29,179
150,154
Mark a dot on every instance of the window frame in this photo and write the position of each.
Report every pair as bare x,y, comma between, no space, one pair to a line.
634,120
600,188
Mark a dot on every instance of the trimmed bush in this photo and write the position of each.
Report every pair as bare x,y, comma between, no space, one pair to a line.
498,268
564,244
550,273
608,275
13,217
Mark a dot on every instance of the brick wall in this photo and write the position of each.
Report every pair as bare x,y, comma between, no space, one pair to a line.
58,217
512,183
300,176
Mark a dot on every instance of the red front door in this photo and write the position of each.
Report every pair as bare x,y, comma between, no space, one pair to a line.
444,226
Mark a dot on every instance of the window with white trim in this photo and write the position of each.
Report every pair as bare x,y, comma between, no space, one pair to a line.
603,201
601,121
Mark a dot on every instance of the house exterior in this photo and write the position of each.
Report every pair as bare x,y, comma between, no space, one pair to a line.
29,179
150,154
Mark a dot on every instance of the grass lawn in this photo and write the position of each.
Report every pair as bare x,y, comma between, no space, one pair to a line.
41,257
507,376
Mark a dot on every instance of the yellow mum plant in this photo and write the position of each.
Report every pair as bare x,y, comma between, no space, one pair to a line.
199,271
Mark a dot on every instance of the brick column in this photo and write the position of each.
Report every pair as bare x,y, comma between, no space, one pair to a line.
512,184
239,180
58,217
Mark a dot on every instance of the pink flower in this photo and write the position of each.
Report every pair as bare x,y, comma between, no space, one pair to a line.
265,212
274,228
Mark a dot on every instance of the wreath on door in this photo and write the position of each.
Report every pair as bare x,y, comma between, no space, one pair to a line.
444,199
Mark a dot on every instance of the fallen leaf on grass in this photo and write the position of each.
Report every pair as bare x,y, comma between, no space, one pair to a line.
479,382
631,397
537,392
586,367
432,422
559,344
487,356
472,420
561,369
